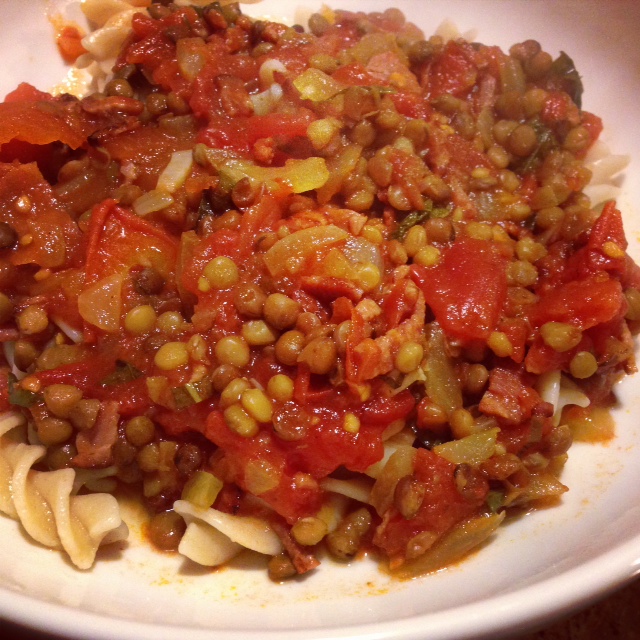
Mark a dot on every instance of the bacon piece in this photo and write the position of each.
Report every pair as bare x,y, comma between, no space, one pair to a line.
95,445
303,560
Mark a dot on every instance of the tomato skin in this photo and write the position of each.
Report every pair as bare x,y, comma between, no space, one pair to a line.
56,238
289,498
118,240
583,303
240,134
353,74
467,289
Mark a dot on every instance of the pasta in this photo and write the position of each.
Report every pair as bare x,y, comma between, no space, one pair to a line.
46,504
303,292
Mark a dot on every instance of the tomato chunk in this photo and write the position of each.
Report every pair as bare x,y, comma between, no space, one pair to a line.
467,289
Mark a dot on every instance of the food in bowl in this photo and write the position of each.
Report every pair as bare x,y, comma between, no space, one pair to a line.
302,291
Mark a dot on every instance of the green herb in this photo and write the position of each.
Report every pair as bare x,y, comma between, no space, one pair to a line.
411,220
564,67
417,217
124,372
495,500
21,397
191,393
546,142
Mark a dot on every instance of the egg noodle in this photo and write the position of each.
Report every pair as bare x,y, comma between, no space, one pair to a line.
308,292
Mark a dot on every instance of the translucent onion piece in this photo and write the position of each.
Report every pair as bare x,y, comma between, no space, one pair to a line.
559,391
9,349
247,531
472,449
268,68
100,303
317,86
176,172
75,335
399,465
265,101
154,200
300,175
287,253
443,386
452,547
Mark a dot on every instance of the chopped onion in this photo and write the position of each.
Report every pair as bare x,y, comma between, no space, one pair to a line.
299,245
317,86
453,546
265,101
472,449
9,349
75,335
299,175
176,172
268,68
151,201
559,391
101,302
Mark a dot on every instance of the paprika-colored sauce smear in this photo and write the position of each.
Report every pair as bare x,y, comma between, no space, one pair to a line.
336,282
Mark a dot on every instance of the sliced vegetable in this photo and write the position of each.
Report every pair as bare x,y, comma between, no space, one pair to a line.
471,450
452,547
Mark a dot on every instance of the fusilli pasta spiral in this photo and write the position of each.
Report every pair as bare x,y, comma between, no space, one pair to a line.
45,501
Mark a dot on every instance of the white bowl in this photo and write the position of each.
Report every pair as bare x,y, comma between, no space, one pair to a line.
539,567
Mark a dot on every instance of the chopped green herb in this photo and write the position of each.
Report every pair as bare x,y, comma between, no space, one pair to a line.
413,218
124,372
495,500
21,397
417,217
564,67
192,393
546,141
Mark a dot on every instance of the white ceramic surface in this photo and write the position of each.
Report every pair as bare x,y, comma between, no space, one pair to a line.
539,567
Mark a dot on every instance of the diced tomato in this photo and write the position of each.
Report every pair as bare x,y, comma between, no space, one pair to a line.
385,410
467,289
55,238
593,125
149,149
453,72
442,506
289,499
583,303
558,107
353,74
44,121
118,240
516,330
